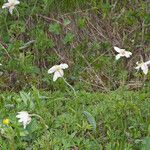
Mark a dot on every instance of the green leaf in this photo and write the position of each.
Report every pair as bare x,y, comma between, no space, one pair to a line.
66,22
68,38
24,133
146,144
25,97
90,119
81,23
55,28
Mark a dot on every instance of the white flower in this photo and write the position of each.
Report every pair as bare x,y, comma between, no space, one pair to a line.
11,5
57,70
24,117
122,53
143,66
0,64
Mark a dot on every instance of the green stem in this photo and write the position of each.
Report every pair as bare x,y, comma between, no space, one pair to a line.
17,13
70,86
42,120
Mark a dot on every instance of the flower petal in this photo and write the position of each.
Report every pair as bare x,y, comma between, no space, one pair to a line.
11,1
24,125
137,68
127,54
147,62
117,49
11,9
63,66
16,2
5,5
52,69
144,68
58,74
118,56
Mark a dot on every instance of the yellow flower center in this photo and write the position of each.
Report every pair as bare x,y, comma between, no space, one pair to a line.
5,121
10,4
58,69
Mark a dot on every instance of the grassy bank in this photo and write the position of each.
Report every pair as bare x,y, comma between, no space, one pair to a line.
117,120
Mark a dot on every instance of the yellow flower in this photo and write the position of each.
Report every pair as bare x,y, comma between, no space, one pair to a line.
5,121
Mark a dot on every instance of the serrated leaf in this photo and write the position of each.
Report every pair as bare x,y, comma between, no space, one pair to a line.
25,97
90,119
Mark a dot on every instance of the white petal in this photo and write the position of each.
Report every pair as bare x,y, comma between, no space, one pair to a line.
52,69
145,69
118,56
63,66
5,5
20,120
16,2
24,118
117,49
127,54
11,1
138,67
58,74
24,125
11,9
147,62
19,116
23,112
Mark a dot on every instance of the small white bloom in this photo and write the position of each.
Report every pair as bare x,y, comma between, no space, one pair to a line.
24,117
143,66
11,5
0,64
122,53
57,70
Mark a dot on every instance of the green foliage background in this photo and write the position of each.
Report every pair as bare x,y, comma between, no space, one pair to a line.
111,109
122,120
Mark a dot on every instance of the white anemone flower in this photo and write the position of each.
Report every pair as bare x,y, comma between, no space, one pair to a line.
11,5
122,53
24,117
58,71
143,66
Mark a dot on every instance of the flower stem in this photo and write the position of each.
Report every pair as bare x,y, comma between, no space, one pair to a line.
42,120
17,13
70,86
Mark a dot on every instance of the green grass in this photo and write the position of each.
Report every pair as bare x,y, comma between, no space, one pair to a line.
122,120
